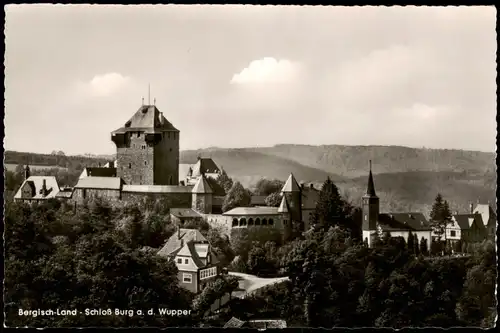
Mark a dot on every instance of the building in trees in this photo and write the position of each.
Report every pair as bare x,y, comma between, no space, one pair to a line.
189,173
37,188
194,258
403,225
489,218
469,228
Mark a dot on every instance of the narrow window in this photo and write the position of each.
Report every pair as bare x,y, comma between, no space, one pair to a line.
174,135
186,261
168,133
130,165
271,222
179,260
145,162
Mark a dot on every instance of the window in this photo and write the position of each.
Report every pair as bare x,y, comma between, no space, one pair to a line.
179,260
130,165
84,194
250,221
453,233
168,133
145,162
174,135
257,221
186,278
170,149
208,273
186,261
235,222
271,222
264,222
366,217
285,222
243,221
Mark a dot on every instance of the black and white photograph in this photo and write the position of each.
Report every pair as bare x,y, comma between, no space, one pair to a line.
250,166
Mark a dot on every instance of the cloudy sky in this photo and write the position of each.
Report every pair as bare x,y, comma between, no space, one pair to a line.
240,76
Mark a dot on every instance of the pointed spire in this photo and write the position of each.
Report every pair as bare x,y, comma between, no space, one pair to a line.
202,186
283,206
371,187
291,185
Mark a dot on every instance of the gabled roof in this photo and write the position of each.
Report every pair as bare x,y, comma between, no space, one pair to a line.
105,183
404,222
184,213
204,165
148,118
486,211
234,323
99,172
202,186
179,238
243,211
36,184
188,250
291,185
283,208
465,221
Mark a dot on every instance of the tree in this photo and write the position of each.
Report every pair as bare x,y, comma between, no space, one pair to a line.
416,245
440,216
330,209
410,244
237,196
273,199
464,247
257,261
266,187
225,181
423,246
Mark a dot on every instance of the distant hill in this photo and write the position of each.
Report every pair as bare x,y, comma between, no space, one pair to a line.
352,161
248,166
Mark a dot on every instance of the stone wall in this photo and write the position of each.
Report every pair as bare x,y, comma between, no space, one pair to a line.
135,159
82,194
177,200
166,159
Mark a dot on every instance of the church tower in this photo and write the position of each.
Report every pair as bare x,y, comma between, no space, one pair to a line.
371,209
293,195
284,211
147,149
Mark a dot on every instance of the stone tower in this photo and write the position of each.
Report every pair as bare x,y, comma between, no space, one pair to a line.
293,194
285,218
371,209
147,149
202,196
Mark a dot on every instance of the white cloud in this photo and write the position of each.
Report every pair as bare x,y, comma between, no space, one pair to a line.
107,84
267,69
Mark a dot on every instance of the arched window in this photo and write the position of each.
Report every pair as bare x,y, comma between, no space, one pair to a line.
243,221
264,222
170,179
235,222
250,221
257,221
270,222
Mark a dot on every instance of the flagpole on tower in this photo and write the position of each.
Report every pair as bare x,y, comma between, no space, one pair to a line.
149,94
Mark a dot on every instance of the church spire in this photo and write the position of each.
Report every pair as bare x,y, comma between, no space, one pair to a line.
370,191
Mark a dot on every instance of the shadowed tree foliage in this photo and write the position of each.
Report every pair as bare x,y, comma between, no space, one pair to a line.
266,187
237,196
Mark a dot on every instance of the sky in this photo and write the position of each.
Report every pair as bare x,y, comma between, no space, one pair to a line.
250,76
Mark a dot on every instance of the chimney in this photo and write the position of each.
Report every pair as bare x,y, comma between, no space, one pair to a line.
27,172
44,187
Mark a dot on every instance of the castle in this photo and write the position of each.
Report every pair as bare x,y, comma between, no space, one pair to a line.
147,166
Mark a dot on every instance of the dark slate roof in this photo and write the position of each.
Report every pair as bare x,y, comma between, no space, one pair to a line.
184,213
149,119
100,172
205,165
404,222
174,242
370,189
109,183
465,221
234,323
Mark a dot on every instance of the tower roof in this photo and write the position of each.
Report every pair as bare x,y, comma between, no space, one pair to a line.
291,185
370,190
148,118
202,186
204,165
283,206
